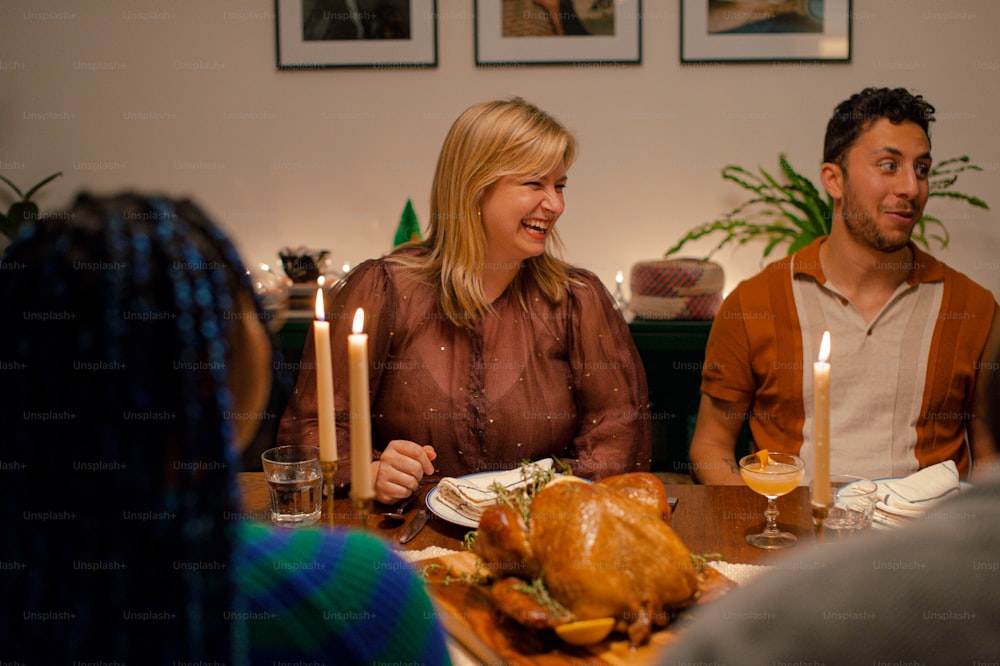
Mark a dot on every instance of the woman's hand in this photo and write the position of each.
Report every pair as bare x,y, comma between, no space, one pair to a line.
401,467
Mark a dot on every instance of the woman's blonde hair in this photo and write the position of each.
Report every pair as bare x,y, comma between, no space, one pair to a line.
487,142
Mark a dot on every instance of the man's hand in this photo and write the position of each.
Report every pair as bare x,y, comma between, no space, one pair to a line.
401,467
713,446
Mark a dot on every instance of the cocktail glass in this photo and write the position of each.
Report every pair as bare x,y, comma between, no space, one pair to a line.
781,475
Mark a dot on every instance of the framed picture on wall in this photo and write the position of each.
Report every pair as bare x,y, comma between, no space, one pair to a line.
765,30
356,33
537,32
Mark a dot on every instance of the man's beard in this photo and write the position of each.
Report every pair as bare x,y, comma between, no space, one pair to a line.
864,229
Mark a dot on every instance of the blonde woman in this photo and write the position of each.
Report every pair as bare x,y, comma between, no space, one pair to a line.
486,349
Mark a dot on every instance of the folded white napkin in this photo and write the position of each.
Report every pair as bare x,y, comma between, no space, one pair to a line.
739,573
471,495
915,494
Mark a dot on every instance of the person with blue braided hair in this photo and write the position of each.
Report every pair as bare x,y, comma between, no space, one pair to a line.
133,356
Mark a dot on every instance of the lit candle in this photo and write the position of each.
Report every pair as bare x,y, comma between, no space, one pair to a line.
324,383
821,424
361,427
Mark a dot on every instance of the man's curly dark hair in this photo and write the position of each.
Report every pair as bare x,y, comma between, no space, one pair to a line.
853,116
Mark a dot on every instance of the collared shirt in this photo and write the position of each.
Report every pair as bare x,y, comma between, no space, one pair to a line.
901,385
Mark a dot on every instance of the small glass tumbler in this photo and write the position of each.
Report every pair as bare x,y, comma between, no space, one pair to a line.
295,484
852,505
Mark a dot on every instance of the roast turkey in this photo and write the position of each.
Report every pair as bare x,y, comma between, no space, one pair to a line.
601,549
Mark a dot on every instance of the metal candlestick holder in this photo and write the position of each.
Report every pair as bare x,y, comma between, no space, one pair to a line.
619,294
363,509
819,512
329,468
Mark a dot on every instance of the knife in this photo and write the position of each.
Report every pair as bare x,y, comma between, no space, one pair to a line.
415,525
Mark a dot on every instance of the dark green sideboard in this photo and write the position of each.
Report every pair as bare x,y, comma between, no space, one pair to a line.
672,353
290,338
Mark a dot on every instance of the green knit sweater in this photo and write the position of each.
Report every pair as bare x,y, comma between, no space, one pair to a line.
333,597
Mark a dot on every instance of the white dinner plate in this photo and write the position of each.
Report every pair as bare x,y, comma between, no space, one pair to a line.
445,512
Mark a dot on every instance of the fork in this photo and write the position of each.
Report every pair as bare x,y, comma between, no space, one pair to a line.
398,513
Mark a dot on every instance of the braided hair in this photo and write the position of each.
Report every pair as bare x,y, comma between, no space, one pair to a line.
119,470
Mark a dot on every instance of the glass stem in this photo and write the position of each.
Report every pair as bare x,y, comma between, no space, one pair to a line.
771,515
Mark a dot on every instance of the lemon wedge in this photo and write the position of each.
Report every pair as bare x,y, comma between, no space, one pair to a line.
586,632
763,457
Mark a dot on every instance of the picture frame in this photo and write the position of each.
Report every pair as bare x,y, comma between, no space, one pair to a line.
793,30
518,32
335,38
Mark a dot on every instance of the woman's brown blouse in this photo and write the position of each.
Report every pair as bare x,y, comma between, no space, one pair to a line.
560,380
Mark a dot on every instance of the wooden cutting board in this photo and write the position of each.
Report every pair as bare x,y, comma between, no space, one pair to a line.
468,616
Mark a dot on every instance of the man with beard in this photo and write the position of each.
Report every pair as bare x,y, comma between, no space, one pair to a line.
908,332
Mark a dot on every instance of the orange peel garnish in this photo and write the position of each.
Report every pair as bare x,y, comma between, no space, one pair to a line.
763,457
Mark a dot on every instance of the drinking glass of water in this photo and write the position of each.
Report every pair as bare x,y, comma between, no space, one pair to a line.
852,507
294,482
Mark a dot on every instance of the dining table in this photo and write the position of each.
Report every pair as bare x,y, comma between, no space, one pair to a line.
712,521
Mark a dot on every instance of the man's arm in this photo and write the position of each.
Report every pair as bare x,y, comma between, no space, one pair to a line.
985,459
713,445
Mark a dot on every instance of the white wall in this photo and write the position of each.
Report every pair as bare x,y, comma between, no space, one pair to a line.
184,96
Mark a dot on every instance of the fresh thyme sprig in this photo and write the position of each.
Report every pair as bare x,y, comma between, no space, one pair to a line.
453,576
520,498
537,590
425,572
535,478
701,561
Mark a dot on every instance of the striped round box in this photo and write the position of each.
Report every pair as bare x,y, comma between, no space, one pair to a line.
676,289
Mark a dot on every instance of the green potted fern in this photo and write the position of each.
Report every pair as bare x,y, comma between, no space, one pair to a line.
796,212
24,210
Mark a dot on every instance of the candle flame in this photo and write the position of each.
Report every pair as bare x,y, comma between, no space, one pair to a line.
320,310
359,322
824,348
321,280
619,277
